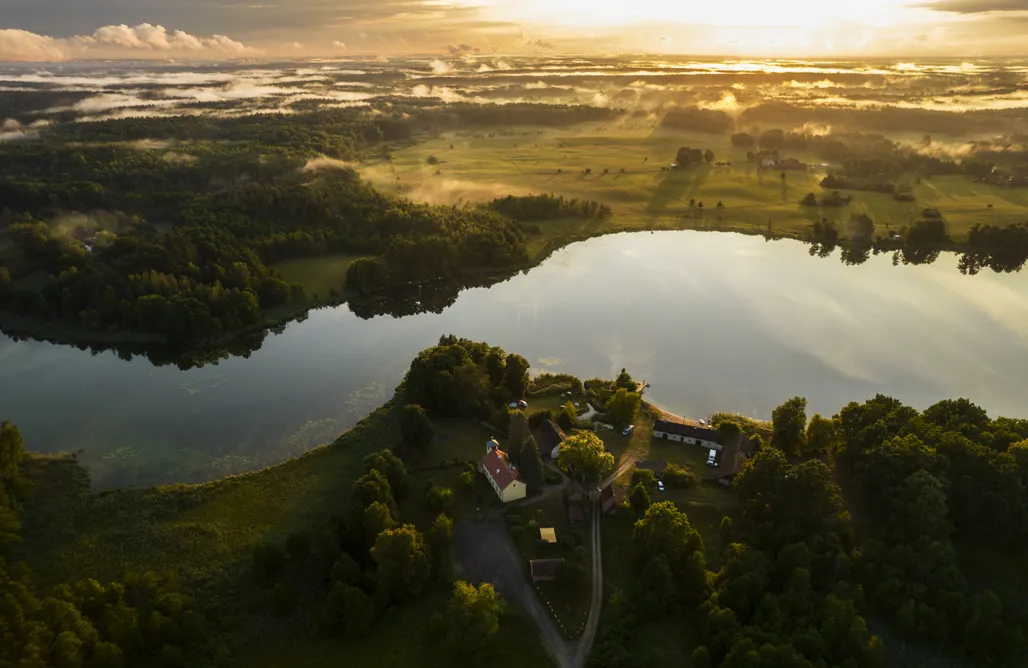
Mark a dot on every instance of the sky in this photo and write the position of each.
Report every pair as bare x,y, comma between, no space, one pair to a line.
49,30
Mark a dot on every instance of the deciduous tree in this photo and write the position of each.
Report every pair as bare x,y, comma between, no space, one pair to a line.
640,500
532,466
416,428
403,562
788,424
622,407
584,457
515,375
472,616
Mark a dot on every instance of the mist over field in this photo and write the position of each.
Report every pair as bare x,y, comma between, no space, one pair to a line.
974,99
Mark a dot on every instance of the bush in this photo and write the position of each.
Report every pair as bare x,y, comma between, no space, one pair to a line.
438,499
432,160
680,477
551,477
467,481
643,476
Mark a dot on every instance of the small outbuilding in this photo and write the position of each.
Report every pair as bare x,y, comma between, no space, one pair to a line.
548,534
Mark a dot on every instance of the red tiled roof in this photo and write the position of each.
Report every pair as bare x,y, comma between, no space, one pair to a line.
496,467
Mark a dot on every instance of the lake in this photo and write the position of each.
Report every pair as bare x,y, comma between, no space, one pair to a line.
715,322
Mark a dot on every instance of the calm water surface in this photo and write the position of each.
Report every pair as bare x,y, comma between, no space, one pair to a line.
716,322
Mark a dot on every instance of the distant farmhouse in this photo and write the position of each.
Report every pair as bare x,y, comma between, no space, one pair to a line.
771,162
502,476
686,432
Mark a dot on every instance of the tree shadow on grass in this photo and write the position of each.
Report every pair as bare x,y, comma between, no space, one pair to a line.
676,187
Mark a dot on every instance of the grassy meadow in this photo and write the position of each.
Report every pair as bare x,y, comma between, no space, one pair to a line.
529,160
318,275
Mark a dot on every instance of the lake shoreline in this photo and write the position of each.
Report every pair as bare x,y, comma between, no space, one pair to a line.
59,332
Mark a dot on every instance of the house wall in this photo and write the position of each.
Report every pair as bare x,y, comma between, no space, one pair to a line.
710,445
516,490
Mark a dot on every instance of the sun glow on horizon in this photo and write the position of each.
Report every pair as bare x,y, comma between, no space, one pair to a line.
569,14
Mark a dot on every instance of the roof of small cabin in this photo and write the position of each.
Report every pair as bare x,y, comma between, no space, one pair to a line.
498,468
548,534
548,435
545,568
576,513
685,429
733,456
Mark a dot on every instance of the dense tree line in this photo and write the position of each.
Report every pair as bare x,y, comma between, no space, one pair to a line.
700,120
1002,249
880,119
548,207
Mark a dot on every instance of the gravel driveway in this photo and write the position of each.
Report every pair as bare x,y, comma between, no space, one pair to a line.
485,553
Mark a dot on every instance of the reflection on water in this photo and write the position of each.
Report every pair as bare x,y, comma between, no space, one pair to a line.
712,321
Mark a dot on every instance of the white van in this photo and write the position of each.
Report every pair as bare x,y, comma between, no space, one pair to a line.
712,458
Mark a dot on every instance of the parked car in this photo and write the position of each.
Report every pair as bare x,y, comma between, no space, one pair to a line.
660,485
712,458
627,431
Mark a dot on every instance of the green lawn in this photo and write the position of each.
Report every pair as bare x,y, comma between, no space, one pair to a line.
545,160
318,275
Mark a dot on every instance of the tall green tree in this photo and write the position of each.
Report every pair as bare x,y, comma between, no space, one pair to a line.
624,380
640,500
665,530
532,466
12,448
517,434
622,407
403,562
584,457
377,518
515,375
439,538
472,616
788,426
392,467
416,428
820,437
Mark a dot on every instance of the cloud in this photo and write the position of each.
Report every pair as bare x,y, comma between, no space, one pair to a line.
440,67
339,45
977,6
113,41
21,45
461,49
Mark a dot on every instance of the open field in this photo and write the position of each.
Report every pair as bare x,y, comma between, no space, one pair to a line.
318,275
526,160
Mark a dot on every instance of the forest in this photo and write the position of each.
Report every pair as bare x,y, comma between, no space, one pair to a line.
850,523
178,242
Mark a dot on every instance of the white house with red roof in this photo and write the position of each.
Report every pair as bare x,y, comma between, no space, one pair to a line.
502,476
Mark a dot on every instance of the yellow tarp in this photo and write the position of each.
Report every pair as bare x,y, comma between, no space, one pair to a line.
548,534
